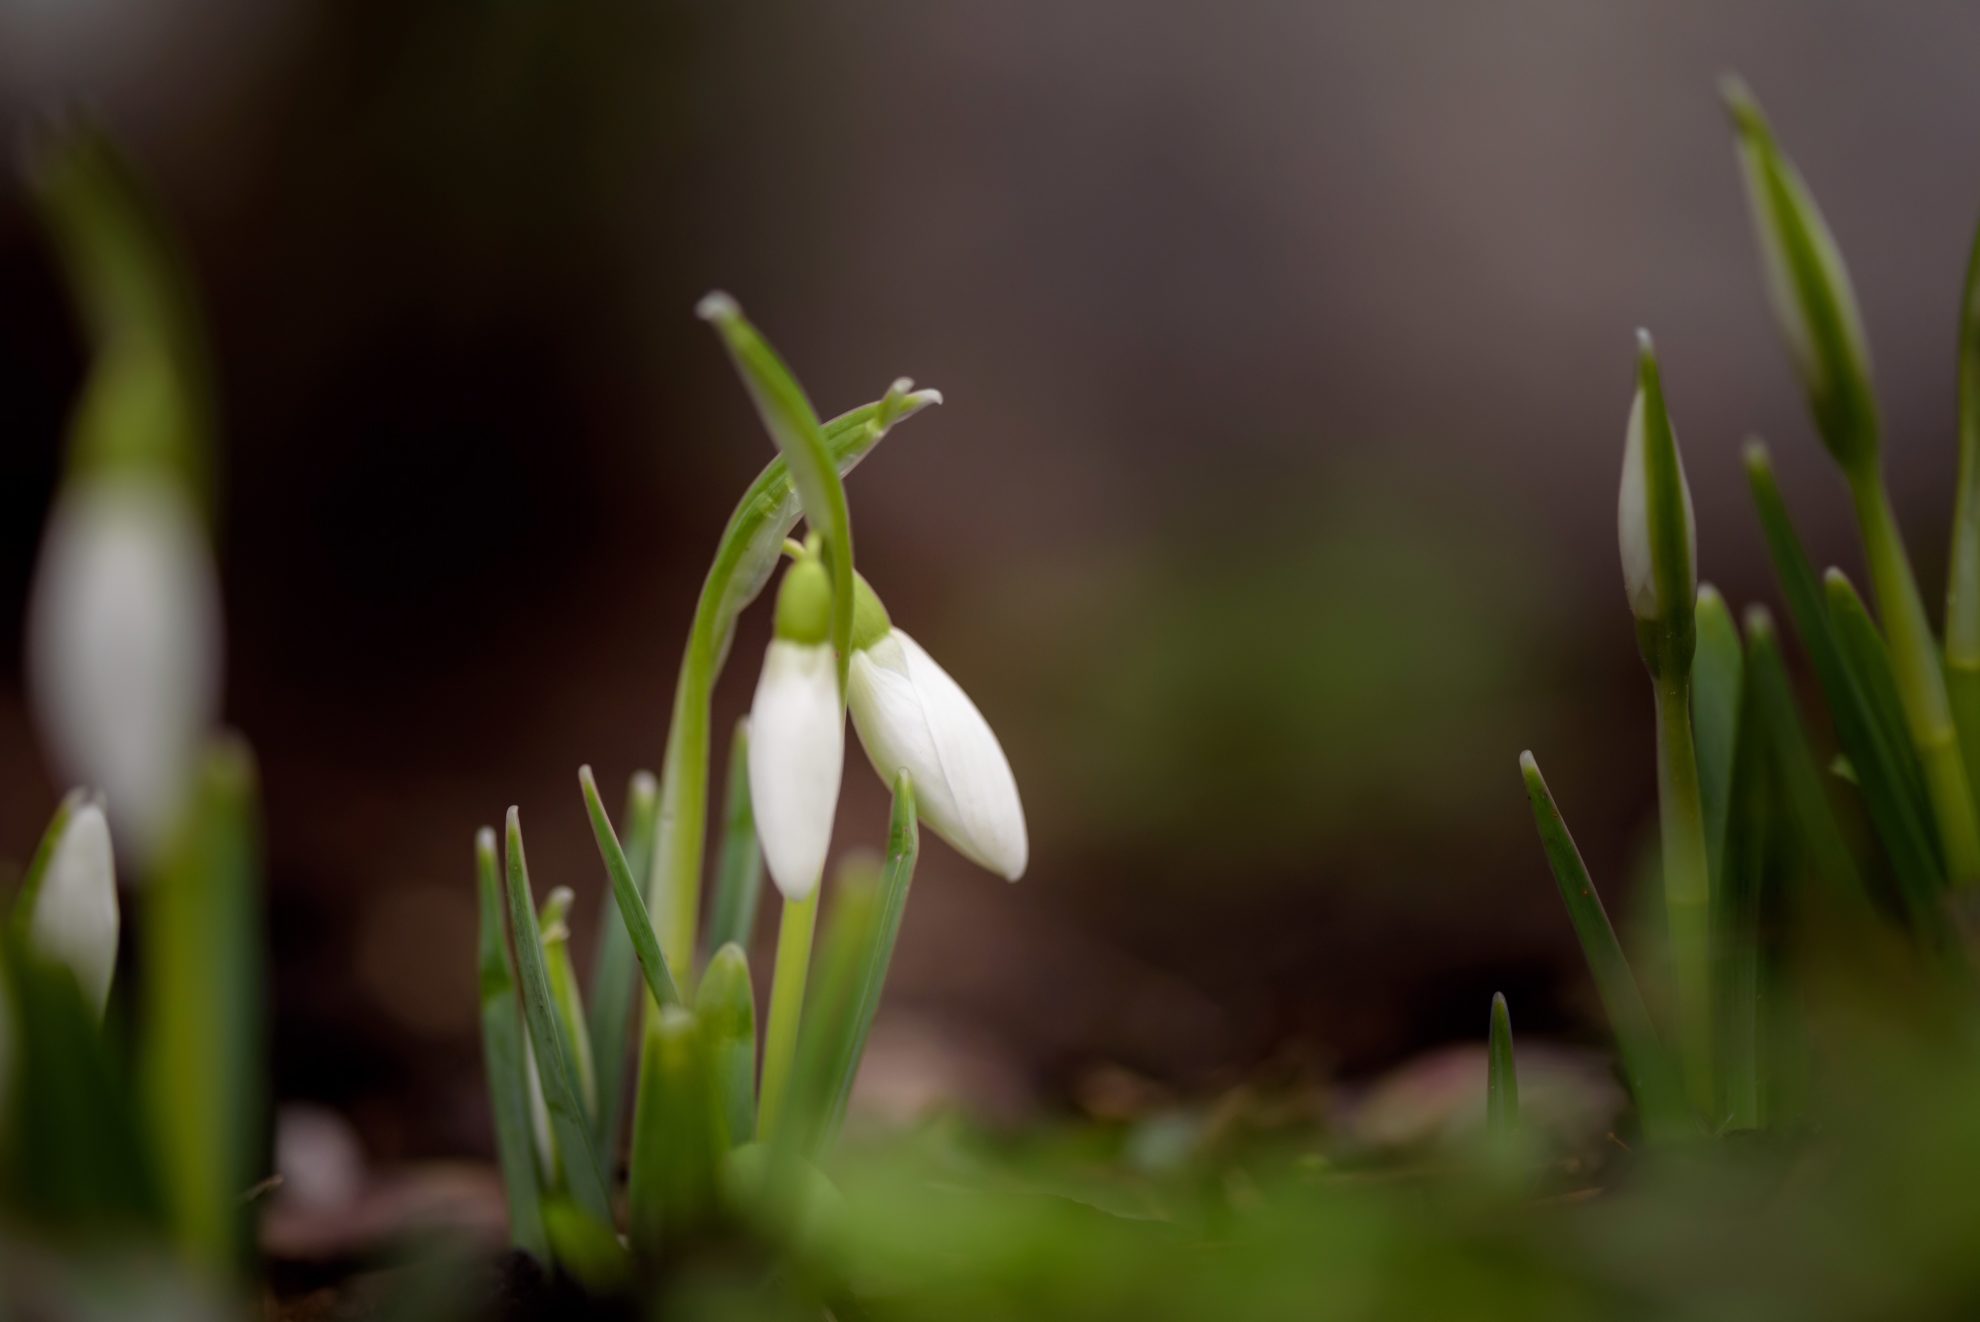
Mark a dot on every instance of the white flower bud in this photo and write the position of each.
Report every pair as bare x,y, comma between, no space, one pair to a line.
1659,560
911,716
123,652
797,753
75,920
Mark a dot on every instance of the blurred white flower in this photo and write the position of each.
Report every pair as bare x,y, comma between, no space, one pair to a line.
797,735
911,716
124,647
1636,531
75,919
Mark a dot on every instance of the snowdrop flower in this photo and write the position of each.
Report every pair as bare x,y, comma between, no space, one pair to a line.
797,735
124,644
1654,523
912,717
73,918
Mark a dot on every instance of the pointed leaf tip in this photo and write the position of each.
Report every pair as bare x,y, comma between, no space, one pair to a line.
717,306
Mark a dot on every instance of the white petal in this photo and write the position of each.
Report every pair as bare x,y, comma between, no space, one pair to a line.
797,752
911,715
75,918
124,646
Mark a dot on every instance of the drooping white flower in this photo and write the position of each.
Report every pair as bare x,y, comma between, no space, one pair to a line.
74,920
797,736
912,716
1655,529
124,645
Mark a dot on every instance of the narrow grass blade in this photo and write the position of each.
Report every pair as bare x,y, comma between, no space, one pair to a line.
502,1058
679,1134
73,1156
1869,662
612,974
788,977
1501,1076
37,866
203,997
1902,822
1798,775
1716,677
1963,577
1646,1066
632,910
743,562
554,921
589,1249
725,1003
739,872
556,1069
903,848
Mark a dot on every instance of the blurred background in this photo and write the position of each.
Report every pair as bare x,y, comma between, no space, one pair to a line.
1287,351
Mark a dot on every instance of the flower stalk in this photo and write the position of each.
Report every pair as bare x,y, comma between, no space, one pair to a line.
1660,574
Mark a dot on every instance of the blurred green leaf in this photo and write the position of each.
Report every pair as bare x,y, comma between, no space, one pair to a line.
739,873
44,851
1885,767
1646,1066
725,1003
1963,575
72,1154
1501,1074
502,1058
679,1133
1715,706
148,399
203,997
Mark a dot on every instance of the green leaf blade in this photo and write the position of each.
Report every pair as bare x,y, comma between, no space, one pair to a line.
502,1058
1646,1065
556,1068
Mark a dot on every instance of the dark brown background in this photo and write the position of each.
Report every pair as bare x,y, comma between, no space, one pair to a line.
1287,350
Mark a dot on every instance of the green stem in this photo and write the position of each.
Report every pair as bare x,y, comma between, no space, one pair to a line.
780,1036
1921,683
1687,884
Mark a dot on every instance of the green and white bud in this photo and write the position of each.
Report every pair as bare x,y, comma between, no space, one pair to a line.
1655,528
912,717
72,915
797,734
1808,287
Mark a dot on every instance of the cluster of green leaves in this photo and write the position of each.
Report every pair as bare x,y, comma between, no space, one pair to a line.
722,1135
1883,838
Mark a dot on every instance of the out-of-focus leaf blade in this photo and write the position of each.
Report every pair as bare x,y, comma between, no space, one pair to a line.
725,1003
739,871
556,1069
903,848
1646,1064
203,998
502,1058
1715,701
